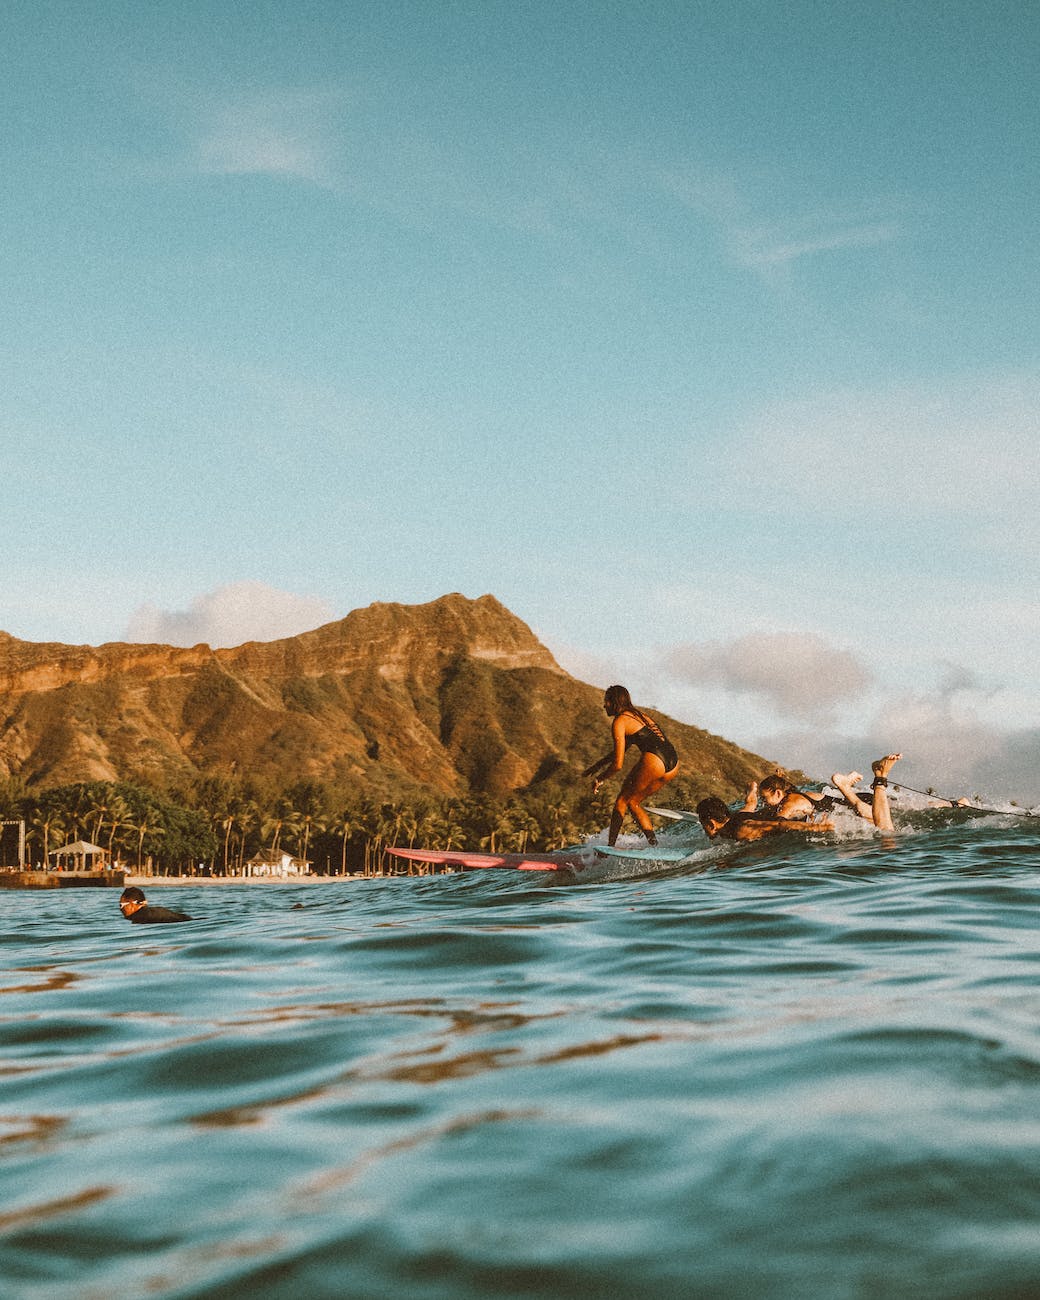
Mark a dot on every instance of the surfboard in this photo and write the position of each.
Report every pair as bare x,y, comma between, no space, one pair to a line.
649,854
674,814
490,861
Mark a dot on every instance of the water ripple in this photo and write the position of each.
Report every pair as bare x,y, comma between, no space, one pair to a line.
816,1072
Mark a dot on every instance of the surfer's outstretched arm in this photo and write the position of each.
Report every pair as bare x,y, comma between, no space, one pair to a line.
755,829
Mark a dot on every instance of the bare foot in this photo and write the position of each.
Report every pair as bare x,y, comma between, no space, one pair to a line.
882,766
853,778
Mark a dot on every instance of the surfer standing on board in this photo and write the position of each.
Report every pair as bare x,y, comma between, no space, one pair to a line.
658,762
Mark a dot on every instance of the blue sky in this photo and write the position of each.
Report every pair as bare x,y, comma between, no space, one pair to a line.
705,337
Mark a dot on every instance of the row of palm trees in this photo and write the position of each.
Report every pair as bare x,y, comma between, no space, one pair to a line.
134,825
352,836
217,823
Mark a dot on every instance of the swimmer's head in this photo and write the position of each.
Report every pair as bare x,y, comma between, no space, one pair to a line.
130,900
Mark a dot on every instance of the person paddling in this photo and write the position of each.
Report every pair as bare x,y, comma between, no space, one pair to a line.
135,908
783,799
658,762
718,821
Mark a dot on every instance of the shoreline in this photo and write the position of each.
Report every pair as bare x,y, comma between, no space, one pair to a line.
149,882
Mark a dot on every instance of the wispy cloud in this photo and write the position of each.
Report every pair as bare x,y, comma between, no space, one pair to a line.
757,237
283,133
230,616
771,247
967,443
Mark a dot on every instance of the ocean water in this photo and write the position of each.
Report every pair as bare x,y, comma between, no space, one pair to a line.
797,1069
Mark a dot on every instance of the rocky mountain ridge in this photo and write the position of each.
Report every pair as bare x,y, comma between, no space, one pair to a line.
454,696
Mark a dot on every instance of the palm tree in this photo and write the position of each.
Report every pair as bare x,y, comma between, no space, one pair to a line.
74,799
44,823
501,828
149,826
226,823
309,813
310,823
343,825
99,811
284,818
249,818
118,814
451,835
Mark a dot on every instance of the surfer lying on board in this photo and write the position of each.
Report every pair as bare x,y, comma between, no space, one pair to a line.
658,762
718,821
783,799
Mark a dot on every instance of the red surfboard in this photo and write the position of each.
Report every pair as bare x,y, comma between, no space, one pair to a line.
502,861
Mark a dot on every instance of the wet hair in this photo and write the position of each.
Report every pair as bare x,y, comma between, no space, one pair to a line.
617,699
774,785
131,895
712,809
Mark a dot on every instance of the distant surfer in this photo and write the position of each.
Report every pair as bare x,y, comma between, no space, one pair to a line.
719,822
658,762
134,907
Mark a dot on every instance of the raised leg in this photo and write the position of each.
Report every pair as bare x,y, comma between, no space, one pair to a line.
880,811
844,783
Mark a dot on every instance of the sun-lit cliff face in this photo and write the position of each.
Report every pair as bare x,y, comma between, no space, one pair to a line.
453,696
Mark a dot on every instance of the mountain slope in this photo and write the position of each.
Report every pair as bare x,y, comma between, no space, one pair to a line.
450,697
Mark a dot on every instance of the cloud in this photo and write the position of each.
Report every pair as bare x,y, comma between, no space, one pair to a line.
946,748
229,616
965,443
737,207
277,133
772,247
798,673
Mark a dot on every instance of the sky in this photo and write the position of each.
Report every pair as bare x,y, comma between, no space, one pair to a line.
705,337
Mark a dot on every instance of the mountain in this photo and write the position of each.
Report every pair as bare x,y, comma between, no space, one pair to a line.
450,697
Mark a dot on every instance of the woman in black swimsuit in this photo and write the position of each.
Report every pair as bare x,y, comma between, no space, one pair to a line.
658,761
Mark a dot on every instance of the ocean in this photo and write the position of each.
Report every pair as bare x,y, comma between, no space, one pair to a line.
789,1069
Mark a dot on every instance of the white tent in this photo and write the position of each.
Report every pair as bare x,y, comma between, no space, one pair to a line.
80,856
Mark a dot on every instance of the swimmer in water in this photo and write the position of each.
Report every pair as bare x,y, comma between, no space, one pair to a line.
719,822
133,906
658,762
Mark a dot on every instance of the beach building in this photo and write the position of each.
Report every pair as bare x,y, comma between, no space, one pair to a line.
275,862
81,855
